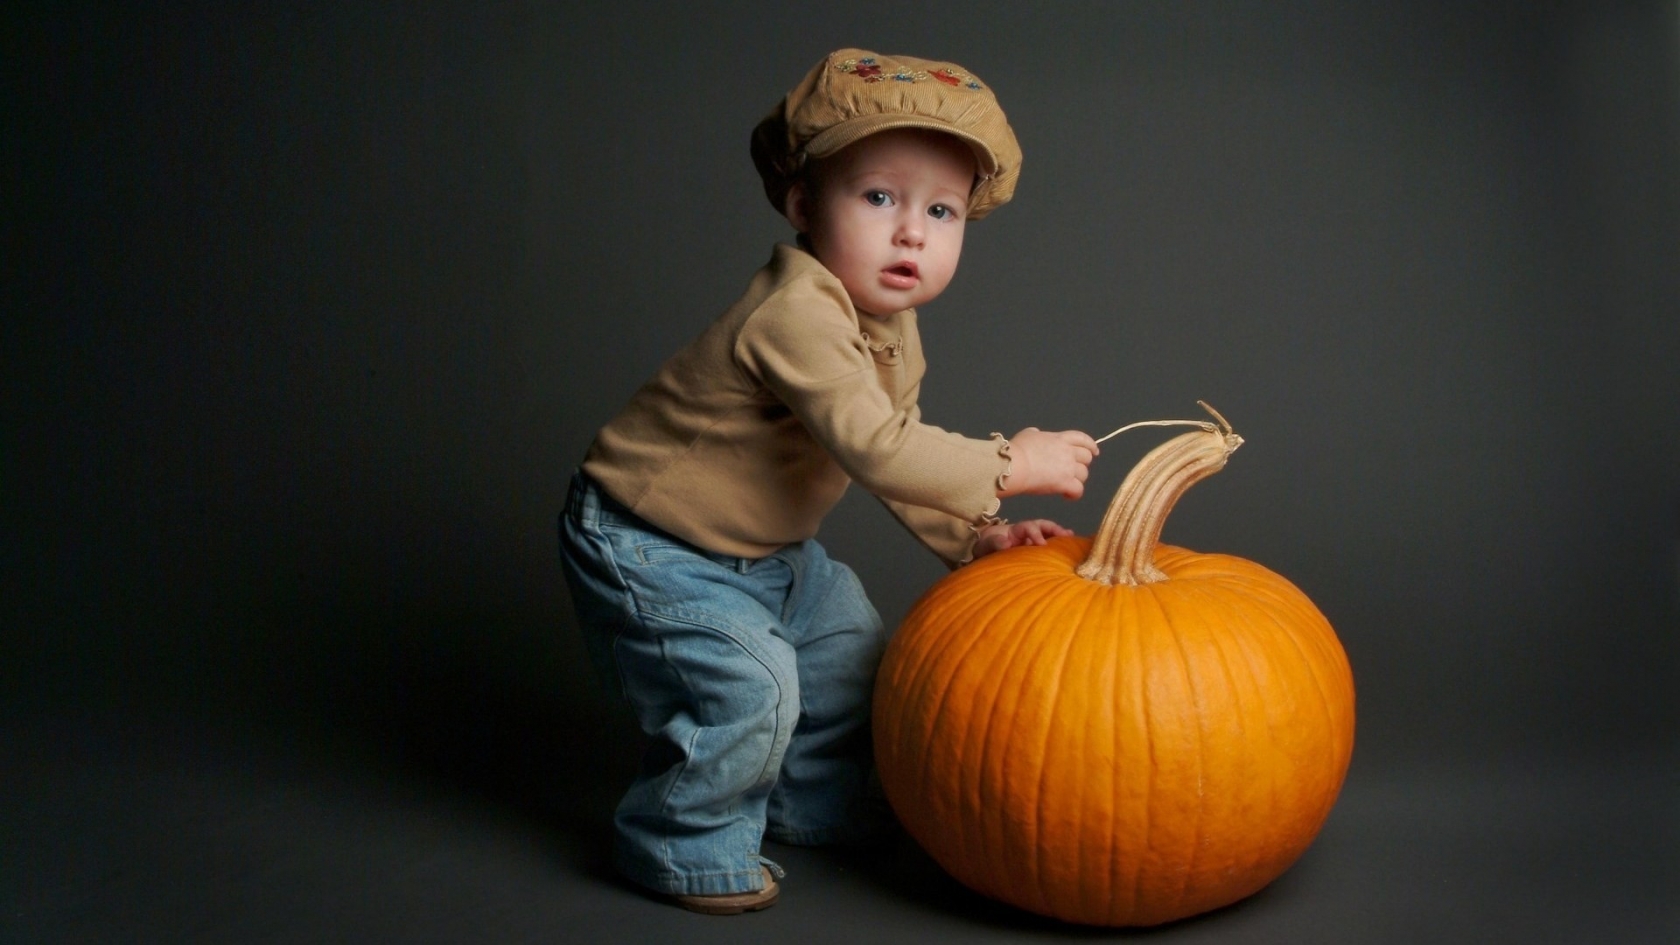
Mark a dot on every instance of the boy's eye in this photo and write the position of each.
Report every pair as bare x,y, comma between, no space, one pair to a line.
877,198
941,212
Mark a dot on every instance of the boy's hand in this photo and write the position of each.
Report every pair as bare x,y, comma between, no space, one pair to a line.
1007,535
1048,463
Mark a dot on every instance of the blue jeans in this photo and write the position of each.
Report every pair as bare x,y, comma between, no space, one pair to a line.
751,676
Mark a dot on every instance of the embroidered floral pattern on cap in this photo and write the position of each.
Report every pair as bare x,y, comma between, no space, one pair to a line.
869,70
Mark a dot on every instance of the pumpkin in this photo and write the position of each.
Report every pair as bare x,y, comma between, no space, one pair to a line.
1112,731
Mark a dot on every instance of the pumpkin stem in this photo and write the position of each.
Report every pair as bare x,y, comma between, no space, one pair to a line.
1124,550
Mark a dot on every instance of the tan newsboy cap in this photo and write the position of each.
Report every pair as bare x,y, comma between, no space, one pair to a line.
854,93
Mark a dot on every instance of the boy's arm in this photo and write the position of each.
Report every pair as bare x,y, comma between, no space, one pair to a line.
817,364
948,537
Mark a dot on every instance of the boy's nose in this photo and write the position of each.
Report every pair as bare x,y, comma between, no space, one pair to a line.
910,232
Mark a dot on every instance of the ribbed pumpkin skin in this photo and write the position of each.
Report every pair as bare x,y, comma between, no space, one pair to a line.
1114,755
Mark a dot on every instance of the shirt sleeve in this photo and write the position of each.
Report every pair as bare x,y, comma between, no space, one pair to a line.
950,538
805,348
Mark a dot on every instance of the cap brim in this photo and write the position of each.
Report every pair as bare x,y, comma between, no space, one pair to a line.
853,130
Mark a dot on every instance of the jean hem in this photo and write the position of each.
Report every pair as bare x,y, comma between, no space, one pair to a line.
705,883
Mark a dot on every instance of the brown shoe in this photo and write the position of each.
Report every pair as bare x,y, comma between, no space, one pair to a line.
734,903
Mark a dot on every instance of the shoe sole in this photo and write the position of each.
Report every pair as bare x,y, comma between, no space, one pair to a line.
702,905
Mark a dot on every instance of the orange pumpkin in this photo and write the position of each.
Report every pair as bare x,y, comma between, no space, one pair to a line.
1114,731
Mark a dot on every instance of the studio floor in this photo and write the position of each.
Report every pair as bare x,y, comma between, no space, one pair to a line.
149,831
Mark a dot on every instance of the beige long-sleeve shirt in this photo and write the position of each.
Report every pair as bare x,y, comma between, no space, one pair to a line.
748,437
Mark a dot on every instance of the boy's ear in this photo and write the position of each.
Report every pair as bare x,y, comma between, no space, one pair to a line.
797,207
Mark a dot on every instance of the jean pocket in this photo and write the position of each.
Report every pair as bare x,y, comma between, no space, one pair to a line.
664,551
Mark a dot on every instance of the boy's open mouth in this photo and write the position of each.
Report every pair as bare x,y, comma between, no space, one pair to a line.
901,275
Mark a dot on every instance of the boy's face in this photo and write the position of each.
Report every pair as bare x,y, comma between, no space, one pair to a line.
886,216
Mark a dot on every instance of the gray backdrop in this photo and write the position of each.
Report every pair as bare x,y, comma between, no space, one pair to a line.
309,312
